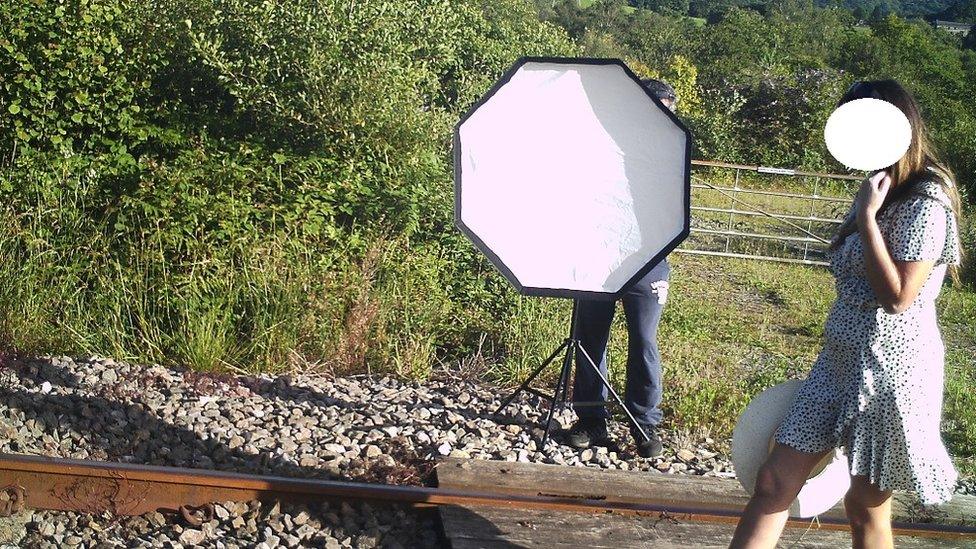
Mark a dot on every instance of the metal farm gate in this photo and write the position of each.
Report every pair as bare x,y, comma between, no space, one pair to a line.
772,214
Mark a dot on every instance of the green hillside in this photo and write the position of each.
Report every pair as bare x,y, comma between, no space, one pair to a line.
242,186
952,10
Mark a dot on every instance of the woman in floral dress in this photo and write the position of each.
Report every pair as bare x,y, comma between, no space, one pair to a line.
876,387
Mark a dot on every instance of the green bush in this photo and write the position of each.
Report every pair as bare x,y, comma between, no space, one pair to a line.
237,184
234,184
75,75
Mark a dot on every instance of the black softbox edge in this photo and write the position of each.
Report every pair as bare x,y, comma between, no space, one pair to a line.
495,260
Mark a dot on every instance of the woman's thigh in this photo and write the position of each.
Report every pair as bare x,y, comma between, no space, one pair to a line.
785,471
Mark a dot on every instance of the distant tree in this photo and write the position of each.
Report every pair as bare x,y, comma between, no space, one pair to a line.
969,42
711,10
606,14
780,122
963,11
568,15
654,38
671,7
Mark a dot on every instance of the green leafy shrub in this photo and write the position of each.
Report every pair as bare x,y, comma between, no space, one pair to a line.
235,184
75,75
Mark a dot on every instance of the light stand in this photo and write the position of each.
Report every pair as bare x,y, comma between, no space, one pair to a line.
571,345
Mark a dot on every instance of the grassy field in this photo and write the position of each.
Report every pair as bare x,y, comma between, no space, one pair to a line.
735,327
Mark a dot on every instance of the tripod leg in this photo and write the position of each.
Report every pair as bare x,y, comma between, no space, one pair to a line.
567,372
560,385
532,377
630,416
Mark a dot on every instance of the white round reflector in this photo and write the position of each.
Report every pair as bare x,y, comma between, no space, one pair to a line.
752,440
868,134
572,178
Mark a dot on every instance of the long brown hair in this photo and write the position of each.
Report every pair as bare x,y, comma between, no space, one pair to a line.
916,163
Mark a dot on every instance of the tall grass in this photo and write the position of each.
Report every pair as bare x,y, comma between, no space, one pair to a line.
276,306
279,300
731,328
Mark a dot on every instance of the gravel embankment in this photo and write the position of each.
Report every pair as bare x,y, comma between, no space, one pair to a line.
238,526
354,428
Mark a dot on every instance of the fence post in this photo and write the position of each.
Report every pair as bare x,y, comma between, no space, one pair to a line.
813,202
735,192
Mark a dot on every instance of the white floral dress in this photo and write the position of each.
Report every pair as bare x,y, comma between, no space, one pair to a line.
876,387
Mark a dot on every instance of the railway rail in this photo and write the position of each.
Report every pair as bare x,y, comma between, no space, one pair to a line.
127,489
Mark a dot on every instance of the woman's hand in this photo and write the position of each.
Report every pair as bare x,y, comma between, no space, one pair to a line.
896,284
871,196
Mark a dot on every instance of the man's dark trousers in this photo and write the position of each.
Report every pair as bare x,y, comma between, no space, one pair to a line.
643,304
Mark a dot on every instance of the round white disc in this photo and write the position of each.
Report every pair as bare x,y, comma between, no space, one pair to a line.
868,134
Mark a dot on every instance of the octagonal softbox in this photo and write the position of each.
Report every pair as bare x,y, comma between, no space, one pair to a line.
572,178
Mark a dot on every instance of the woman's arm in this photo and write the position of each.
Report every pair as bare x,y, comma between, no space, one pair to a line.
895,283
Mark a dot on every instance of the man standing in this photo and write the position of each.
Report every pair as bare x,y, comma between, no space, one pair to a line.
643,304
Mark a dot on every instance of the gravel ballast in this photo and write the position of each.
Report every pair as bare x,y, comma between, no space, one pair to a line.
353,428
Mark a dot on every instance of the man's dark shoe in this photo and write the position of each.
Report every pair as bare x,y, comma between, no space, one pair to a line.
651,448
587,432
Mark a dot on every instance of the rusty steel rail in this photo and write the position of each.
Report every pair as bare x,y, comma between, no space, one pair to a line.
128,489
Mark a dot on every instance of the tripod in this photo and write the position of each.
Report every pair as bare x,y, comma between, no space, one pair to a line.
571,345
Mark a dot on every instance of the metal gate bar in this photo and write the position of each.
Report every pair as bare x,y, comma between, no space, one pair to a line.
741,236
779,216
748,256
770,193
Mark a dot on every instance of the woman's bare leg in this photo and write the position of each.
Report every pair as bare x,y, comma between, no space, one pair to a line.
779,481
869,510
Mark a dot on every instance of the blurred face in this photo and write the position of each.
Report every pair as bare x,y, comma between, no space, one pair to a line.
668,102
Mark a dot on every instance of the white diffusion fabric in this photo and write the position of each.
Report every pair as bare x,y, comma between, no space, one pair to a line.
572,176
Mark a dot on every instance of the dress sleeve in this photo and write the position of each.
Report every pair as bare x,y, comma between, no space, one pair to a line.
922,228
